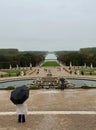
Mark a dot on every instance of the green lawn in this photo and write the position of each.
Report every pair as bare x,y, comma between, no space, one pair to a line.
11,73
88,71
50,63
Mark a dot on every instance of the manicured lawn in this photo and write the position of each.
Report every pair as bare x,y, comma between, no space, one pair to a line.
88,71
11,73
50,63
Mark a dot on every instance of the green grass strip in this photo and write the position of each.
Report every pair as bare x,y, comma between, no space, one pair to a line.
50,63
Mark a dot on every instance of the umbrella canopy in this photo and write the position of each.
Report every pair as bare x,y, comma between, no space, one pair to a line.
62,79
19,94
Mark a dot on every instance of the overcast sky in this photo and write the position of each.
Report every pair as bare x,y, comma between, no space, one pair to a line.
47,24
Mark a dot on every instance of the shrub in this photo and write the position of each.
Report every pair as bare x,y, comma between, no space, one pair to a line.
18,73
2,88
90,72
34,87
1,75
82,72
58,87
9,74
10,88
87,87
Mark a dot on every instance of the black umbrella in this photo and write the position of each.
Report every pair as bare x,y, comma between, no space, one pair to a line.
19,94
62,80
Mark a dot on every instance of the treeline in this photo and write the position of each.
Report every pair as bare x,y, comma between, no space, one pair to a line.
8,51
35,52
20,59
91,50
88,50
77,59
63,52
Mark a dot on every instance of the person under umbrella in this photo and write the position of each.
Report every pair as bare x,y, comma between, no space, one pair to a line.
18,96
63,84
21,110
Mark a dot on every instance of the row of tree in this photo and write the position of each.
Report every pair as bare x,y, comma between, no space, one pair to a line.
90,50
22,60
78,59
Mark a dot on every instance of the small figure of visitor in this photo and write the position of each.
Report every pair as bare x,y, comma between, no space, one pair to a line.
63,86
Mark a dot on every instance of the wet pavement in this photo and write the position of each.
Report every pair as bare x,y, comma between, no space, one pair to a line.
67,100
52,100
49,122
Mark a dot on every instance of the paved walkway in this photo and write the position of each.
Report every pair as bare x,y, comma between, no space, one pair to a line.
52,110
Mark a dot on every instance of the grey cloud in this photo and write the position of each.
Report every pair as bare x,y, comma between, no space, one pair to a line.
49,24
